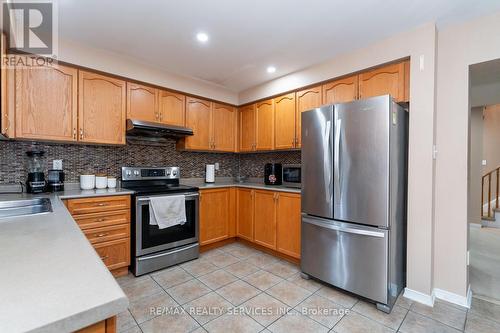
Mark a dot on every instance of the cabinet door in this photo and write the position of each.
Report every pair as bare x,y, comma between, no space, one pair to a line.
223,127
46,103
214,215
284,120
385,80
288,224
142,102
6,125
341,91
265,125
102,109
172,108
198,118
247,128
265,218
307,99
245,213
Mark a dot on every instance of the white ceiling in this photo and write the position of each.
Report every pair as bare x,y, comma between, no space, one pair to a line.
248,35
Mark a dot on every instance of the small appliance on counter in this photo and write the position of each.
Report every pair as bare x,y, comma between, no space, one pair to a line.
292,175
210,173
273,173
55,180
36,178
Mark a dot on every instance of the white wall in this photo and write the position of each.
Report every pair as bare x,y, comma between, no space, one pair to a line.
118,64
416,43
458,47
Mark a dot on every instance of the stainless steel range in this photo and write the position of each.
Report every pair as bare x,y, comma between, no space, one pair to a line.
154,248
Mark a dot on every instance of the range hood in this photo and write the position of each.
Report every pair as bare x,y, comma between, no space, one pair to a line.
138,130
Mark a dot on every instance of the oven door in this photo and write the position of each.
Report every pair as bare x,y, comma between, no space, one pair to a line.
150,238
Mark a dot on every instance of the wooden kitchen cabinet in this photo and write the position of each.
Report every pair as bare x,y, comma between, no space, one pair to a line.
142,102
247,128
245,214
215,215
288,224
265,218
223,128
46,104
105,221
307,99
284,120
198,118
264,125
384,80
105,326
6,114
101,109
172,108
341,91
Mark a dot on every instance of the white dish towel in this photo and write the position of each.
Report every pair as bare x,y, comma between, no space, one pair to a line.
167,211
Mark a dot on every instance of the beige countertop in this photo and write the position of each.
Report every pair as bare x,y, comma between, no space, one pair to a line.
228,182
52,279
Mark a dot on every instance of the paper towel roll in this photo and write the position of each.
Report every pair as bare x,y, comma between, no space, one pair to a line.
210,173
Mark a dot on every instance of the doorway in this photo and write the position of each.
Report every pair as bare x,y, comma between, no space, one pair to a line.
484,180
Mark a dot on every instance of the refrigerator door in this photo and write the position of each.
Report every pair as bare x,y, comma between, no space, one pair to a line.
347,256
361,161
317,162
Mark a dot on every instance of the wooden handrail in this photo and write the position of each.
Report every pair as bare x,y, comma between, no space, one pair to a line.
487,177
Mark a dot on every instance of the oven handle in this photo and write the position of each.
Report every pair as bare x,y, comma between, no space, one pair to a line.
147,257
190,195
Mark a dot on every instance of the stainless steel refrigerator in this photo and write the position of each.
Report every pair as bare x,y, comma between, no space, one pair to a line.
354,175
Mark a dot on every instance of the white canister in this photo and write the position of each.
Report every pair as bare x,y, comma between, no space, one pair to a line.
101,181
87,182
111,182
210,173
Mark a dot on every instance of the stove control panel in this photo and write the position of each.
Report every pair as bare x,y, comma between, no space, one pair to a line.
136,173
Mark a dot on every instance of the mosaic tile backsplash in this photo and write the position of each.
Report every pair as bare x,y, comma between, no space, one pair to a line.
81,159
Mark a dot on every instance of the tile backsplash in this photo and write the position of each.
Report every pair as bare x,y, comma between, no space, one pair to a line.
79,159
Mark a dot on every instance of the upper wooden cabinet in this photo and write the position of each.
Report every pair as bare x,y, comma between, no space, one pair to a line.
215,215
223,127
247,128
265,218
171,108
284,120
341,91
264,120
288,223
389,79
102,109
198,118
142,102
6,125
307,99
245,213
46,103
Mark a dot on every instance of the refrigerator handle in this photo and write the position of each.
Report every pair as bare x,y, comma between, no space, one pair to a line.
343,229
336,162
327,160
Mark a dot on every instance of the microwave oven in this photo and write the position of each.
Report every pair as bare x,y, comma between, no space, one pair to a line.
292,175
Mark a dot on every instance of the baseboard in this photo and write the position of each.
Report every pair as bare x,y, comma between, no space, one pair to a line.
449,297
419,297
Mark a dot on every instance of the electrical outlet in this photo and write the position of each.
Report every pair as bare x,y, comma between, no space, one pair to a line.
217,166
57,164
483,162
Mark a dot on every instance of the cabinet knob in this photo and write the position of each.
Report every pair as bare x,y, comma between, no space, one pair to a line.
81,133
74,133
104,258
101,235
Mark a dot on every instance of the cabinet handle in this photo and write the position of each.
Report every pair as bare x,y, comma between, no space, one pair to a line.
101,235
161,116
101,220
104,258
74,133
101,204
213,145
81,133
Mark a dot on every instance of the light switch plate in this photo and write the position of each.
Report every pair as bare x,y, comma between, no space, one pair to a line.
57,164
217,166
483,162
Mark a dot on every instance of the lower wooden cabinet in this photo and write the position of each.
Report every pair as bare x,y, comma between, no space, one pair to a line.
105,221
105,326
245,214
217,215
288,224
265,218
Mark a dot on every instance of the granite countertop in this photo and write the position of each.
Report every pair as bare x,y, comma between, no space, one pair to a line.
52,279
229,182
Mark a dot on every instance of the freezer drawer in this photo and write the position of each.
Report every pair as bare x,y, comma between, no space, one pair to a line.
347,256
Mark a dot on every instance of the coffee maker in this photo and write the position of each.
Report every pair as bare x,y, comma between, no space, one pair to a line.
55,180
36,178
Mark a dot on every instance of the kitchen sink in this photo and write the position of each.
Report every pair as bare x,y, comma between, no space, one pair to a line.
25,207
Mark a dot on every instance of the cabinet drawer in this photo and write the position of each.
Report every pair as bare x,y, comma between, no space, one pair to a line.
103,219
104,234
99,204
114,254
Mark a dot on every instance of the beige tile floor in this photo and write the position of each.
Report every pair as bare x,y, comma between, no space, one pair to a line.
239,289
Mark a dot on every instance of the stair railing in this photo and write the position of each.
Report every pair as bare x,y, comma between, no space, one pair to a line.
487,179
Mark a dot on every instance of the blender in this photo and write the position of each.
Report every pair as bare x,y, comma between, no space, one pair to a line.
36,177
